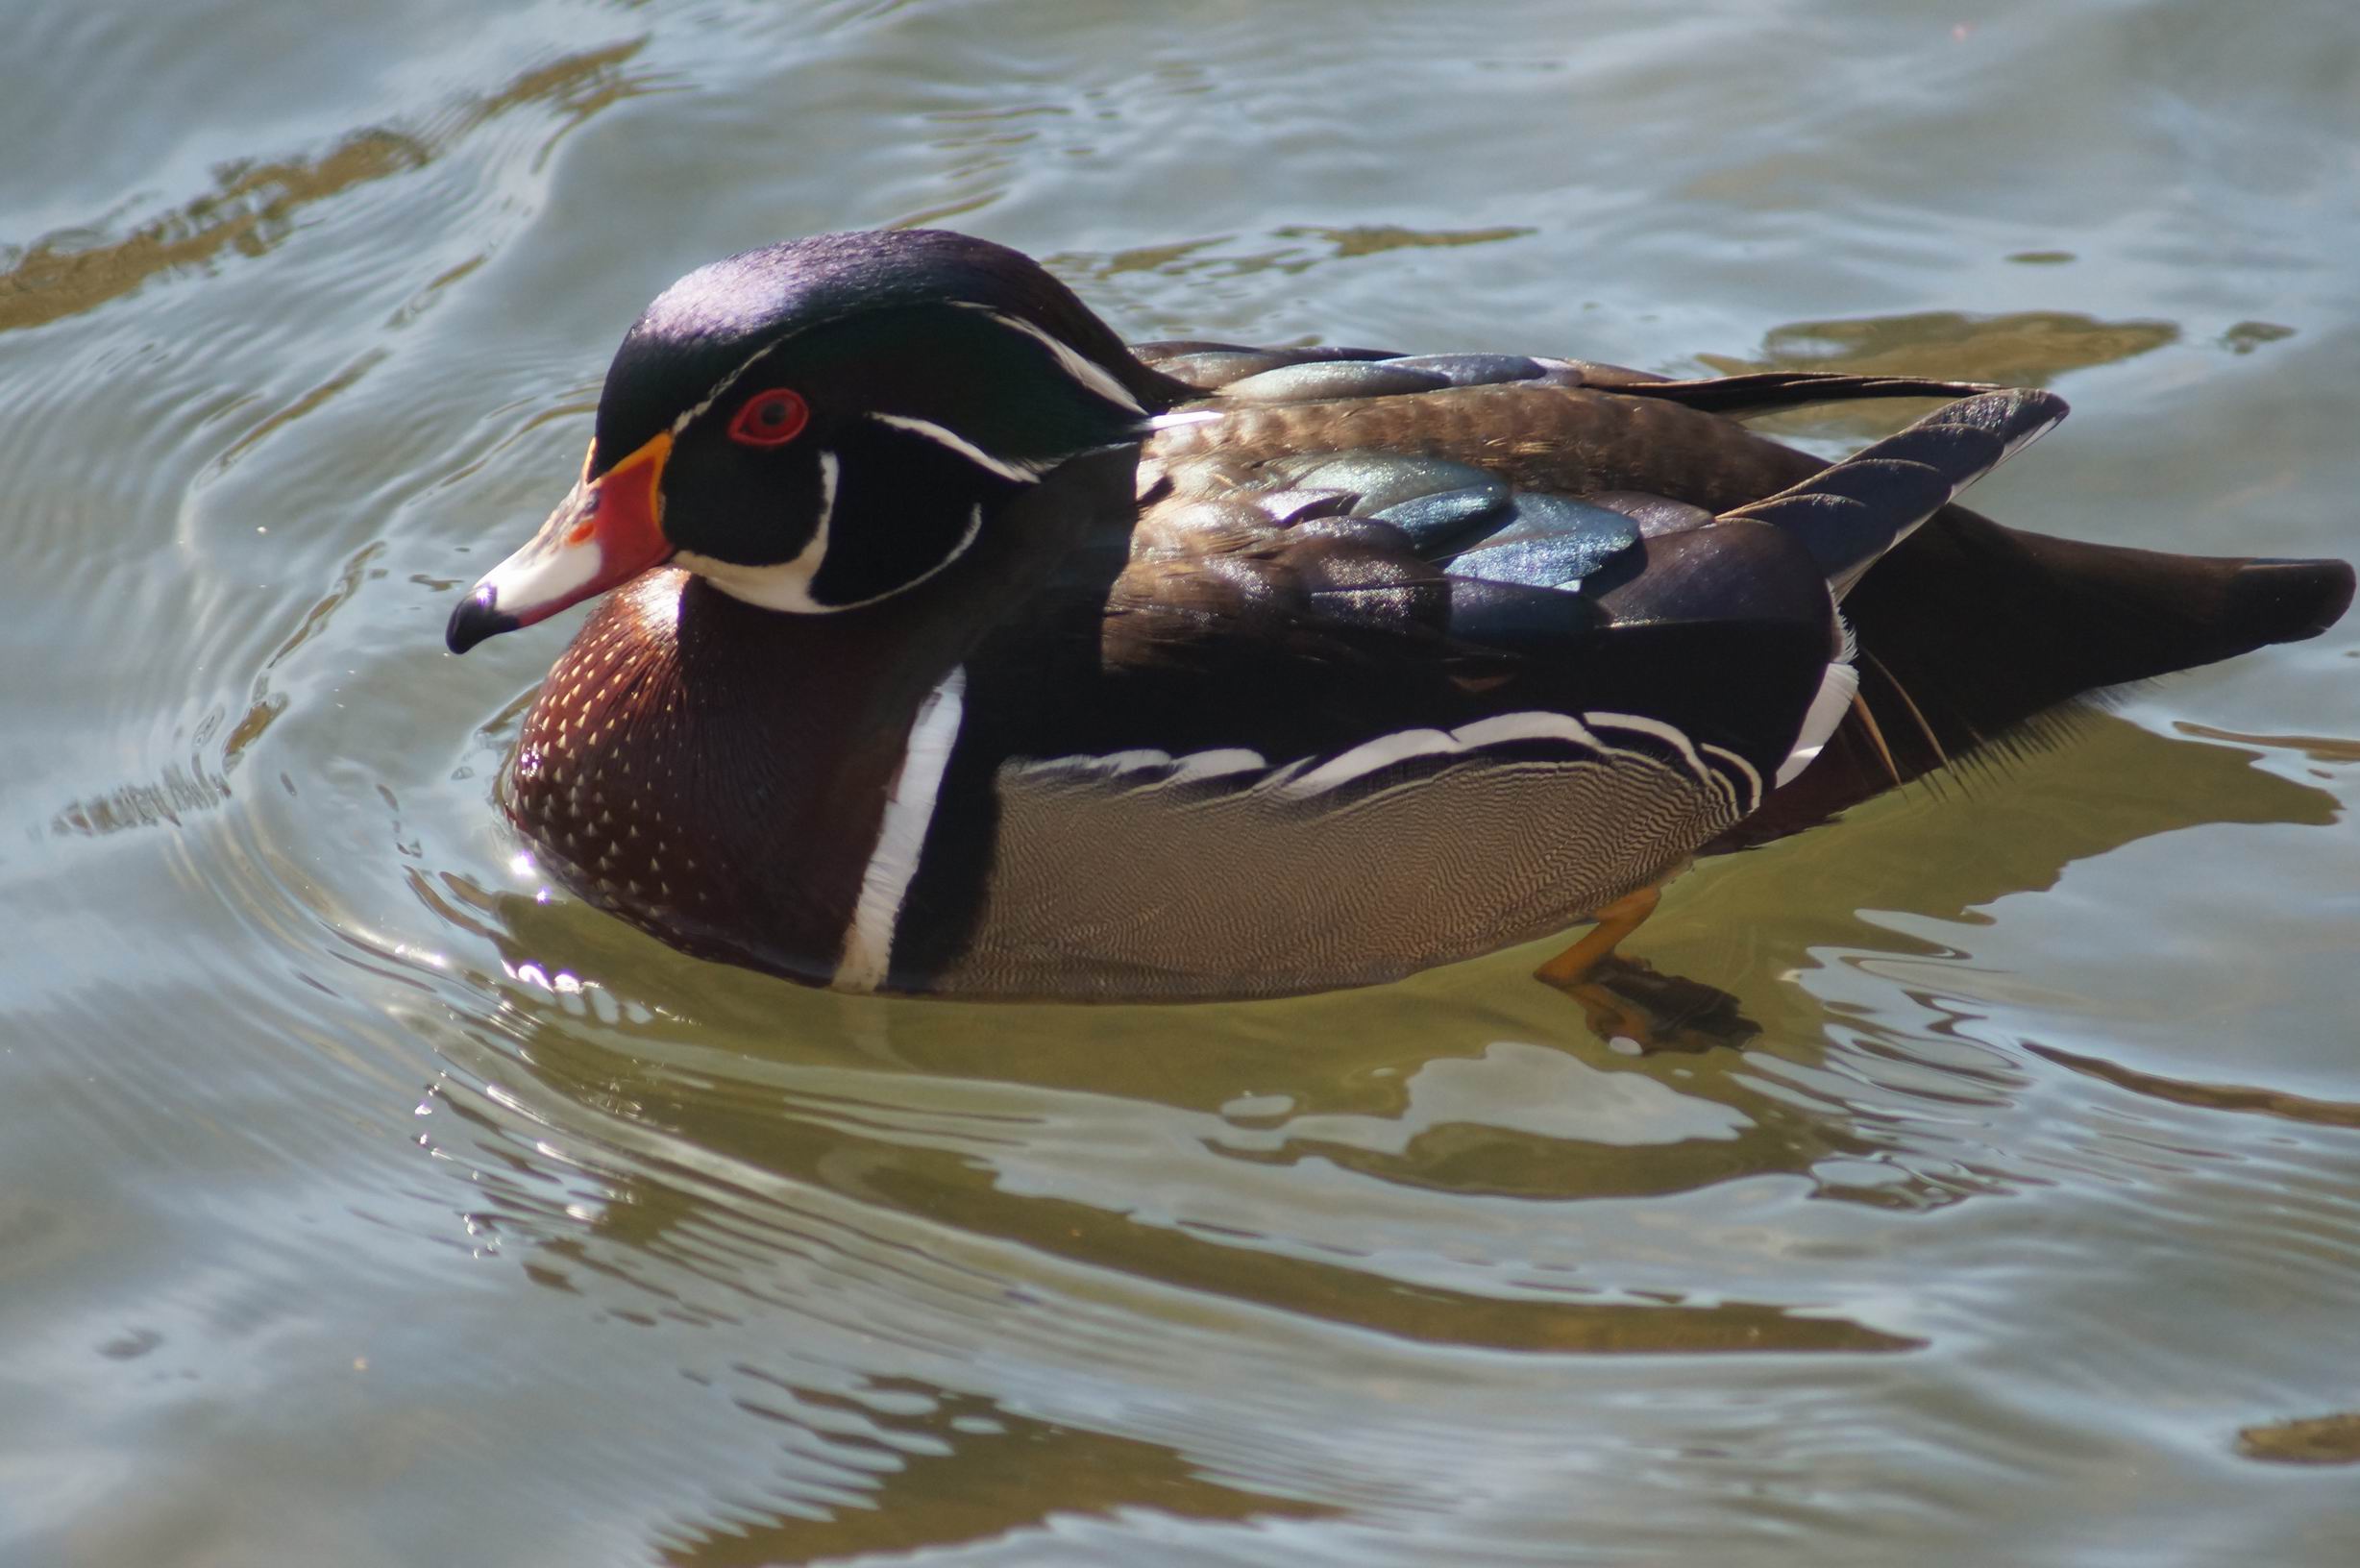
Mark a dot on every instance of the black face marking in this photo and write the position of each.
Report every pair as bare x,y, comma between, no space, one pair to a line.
747,502
905,506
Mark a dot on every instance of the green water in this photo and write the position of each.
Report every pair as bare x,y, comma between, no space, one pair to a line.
358,1207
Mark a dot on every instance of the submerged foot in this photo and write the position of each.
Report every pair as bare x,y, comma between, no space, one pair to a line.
1626,998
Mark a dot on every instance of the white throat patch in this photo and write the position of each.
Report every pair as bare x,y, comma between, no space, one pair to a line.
781,585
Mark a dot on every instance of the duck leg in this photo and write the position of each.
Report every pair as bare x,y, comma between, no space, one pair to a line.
1625,998
1617,920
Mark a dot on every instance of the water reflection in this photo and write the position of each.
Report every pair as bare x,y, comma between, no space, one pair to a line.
2024,348
924,1466
1304,1217
180,792
255,205
2211,1096
2322,1439
1299,249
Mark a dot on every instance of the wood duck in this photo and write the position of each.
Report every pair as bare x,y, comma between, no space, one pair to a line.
952,647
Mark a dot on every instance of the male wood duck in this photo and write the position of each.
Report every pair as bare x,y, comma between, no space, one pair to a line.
990,657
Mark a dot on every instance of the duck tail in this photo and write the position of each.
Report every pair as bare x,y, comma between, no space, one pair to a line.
1992,624
1851,513
1971,634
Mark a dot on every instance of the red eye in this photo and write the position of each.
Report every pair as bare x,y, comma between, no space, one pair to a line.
771,419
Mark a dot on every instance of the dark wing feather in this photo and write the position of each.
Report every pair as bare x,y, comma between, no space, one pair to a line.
1851,513
1312,599
1966,628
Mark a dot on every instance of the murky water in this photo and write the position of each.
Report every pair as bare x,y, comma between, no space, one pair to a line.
359,1206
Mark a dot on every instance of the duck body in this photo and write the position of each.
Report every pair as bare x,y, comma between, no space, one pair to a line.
993,658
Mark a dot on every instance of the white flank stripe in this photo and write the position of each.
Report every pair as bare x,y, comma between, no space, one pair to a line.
1656,727
1297,781
909,810
1186,769
1220,764
1751,774
1090,375
1367,757
1373,755
1829,705
1020,473
1688,750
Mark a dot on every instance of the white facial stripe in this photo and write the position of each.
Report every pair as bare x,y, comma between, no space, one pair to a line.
1092,377
1023,473
901,836
722,387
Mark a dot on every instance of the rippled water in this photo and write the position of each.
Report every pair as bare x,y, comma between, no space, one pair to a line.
361,1205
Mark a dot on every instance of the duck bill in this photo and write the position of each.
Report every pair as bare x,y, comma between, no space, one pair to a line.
604,533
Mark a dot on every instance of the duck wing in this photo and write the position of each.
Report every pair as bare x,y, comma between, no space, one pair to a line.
1968,630
1382,576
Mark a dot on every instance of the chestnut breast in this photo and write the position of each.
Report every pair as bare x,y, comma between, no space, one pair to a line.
674,769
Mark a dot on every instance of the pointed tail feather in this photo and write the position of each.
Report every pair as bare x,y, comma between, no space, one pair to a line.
1971,630
1851,513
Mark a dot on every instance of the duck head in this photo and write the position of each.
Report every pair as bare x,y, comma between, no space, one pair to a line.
817,426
